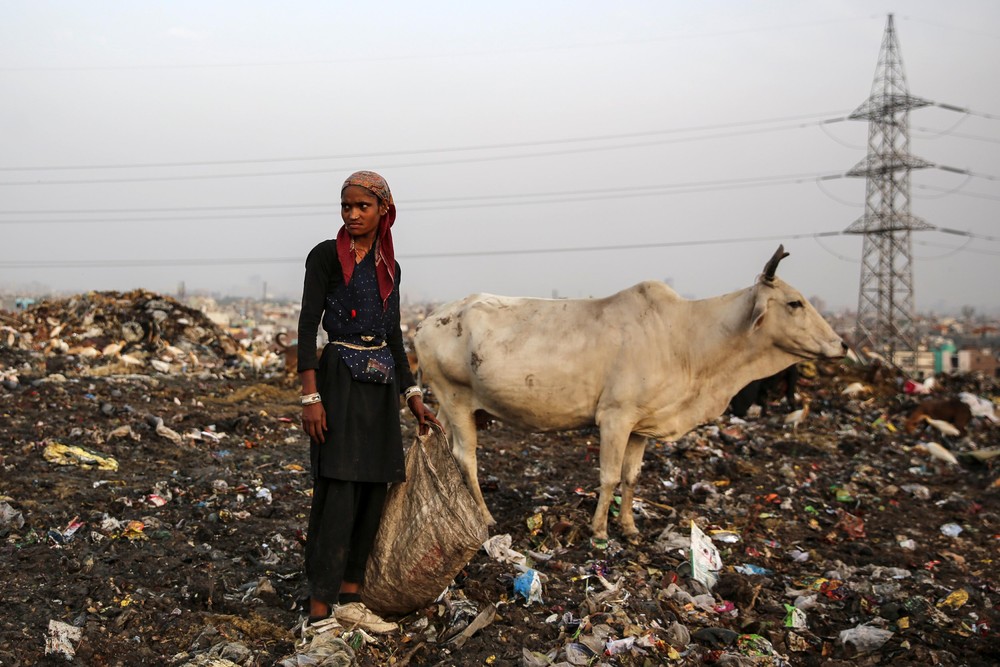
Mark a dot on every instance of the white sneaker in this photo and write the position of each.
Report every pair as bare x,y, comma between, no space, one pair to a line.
356,614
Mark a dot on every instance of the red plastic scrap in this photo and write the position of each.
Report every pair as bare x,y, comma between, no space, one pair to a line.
833,589
981,629
852,525
724,607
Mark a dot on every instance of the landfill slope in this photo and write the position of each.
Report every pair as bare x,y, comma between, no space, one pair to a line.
843,540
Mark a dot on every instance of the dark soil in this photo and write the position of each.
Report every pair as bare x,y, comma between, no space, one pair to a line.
213,569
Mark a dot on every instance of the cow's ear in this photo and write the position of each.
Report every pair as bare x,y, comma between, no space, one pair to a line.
757,316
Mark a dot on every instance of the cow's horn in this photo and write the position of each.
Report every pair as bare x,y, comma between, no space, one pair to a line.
772,264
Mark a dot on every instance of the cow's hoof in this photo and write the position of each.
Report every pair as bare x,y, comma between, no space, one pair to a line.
633,538
599,543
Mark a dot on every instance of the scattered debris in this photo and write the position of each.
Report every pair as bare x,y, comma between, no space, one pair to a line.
844,540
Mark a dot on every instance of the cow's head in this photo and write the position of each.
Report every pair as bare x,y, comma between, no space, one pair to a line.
781,313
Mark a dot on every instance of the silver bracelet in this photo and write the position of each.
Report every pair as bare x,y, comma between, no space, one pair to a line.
412,391
309,399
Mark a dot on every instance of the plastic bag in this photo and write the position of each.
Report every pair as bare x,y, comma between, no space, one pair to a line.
431,527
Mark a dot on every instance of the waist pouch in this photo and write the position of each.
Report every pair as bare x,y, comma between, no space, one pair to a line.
368,362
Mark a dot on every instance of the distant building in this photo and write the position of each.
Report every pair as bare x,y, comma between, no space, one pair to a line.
978,361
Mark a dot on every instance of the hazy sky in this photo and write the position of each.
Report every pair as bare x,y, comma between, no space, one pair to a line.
145,144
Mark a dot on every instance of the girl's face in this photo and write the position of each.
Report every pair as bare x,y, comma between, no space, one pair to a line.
361,211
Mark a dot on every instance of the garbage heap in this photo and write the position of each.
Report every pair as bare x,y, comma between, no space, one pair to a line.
108,333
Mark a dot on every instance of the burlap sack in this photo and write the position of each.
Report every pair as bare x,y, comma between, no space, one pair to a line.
430,529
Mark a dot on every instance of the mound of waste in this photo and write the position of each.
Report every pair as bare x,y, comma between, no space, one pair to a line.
112,332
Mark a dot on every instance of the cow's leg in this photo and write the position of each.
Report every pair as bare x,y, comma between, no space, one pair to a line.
613,441
631,466
463,447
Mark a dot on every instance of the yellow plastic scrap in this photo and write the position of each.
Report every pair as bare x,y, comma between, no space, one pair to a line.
134,531
955,600
71,455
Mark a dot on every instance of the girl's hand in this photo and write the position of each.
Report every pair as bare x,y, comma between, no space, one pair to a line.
314,421
424,416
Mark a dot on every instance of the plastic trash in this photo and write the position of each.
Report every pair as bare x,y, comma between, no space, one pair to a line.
705,558
529,586
864,638
715,637
616,646
955,600
10,517
749,568
794,617
980,407
62,639
578,654
498,548
754,646
951,529
66,455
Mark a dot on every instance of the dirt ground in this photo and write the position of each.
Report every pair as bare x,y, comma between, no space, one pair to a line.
190,552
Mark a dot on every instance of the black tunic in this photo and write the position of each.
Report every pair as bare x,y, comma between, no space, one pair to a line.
363,438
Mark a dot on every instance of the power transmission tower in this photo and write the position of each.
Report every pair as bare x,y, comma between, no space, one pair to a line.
885,296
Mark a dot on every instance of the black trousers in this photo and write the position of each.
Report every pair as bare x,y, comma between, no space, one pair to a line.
343,522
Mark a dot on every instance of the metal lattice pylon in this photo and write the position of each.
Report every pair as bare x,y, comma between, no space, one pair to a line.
885,296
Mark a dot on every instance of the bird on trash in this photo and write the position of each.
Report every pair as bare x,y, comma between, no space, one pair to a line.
937,451
795,418
174,351
88,352
113,349
130,360
855,389
943,427
58,345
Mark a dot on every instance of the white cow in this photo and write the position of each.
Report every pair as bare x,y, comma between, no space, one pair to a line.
641,363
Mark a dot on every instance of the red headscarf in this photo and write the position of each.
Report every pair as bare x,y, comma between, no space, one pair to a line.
385,257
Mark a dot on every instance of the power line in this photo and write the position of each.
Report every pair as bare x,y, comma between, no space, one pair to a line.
162,209
952,107
402,165
220,261
454,149
959,232
962,248
233,261
481,201
977,195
